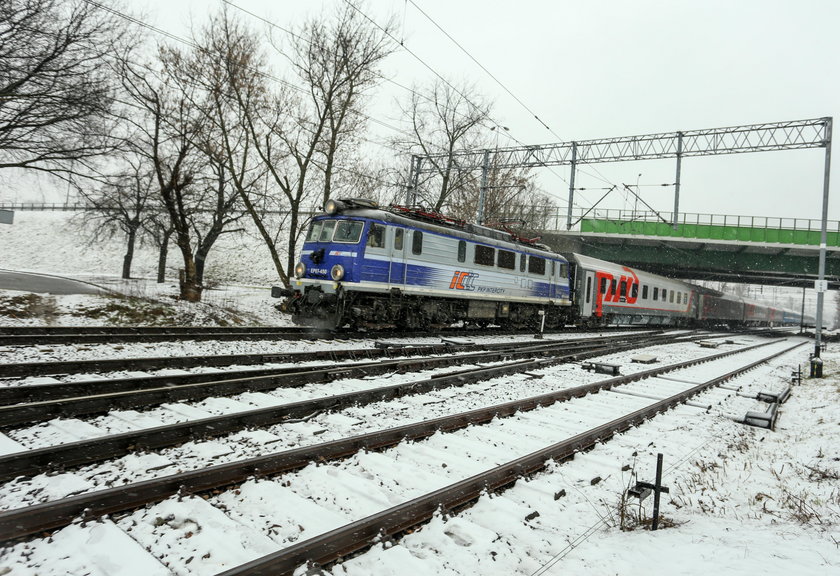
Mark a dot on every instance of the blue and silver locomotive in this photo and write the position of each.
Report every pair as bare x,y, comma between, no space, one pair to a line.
362,265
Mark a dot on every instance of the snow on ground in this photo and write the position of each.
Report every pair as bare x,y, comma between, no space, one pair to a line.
742,499
238,277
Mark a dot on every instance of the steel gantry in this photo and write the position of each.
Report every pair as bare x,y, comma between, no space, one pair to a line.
771,136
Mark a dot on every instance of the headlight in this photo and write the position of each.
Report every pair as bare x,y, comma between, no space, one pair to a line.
300,270
333,206
337,272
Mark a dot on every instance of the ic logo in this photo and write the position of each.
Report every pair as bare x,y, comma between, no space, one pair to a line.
463,281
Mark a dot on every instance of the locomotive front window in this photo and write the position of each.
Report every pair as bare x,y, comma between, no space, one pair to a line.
506,260
348,231
315,231
376,236
326,231
484,255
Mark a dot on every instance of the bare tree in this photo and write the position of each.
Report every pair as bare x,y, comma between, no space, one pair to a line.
56,86
445,119
298,134
167,130
127,204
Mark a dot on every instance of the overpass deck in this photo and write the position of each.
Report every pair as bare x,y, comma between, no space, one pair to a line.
776,251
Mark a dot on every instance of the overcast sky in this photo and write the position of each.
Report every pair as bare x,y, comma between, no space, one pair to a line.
617,68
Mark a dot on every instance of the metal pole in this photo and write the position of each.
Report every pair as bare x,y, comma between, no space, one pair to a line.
802,314
657,487
571,186
823,239
414,178
482,192
677,183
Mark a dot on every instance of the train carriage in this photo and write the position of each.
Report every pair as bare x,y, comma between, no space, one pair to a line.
608,292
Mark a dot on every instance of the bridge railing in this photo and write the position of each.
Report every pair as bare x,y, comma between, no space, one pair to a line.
726,227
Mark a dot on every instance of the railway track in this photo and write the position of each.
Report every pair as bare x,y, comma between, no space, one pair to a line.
56,335
380,349
390,521
508,360
219,484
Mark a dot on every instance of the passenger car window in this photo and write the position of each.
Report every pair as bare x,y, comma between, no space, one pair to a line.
644,292
376,236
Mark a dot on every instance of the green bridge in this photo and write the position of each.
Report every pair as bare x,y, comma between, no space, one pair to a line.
716,227
761,250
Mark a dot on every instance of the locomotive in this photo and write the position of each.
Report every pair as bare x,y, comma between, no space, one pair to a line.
363,265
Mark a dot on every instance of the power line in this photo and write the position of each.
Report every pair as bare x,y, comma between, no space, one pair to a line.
480,65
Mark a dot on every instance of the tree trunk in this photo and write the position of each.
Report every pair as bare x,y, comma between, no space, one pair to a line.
129,253
162,254
190,286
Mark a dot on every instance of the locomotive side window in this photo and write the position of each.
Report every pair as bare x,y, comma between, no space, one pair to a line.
522,258
462,250
506,260
685,297
655,293
634,291
484,255
417,242
645,292
398,239
376,236
613,286
552,268
314,231
603,285
664,295
564,270
327,231
623,289
679,297
536,265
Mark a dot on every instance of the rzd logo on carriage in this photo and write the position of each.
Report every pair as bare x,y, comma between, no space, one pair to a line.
463,281
621,291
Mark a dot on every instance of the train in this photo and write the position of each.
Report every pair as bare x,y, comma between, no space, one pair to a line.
368,266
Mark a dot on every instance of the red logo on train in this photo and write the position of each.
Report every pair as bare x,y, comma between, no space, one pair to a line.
463,281
613,292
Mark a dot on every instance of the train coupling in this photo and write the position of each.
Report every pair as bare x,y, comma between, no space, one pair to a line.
280,292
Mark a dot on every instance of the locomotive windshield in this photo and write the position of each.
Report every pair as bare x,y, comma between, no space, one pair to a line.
343,231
